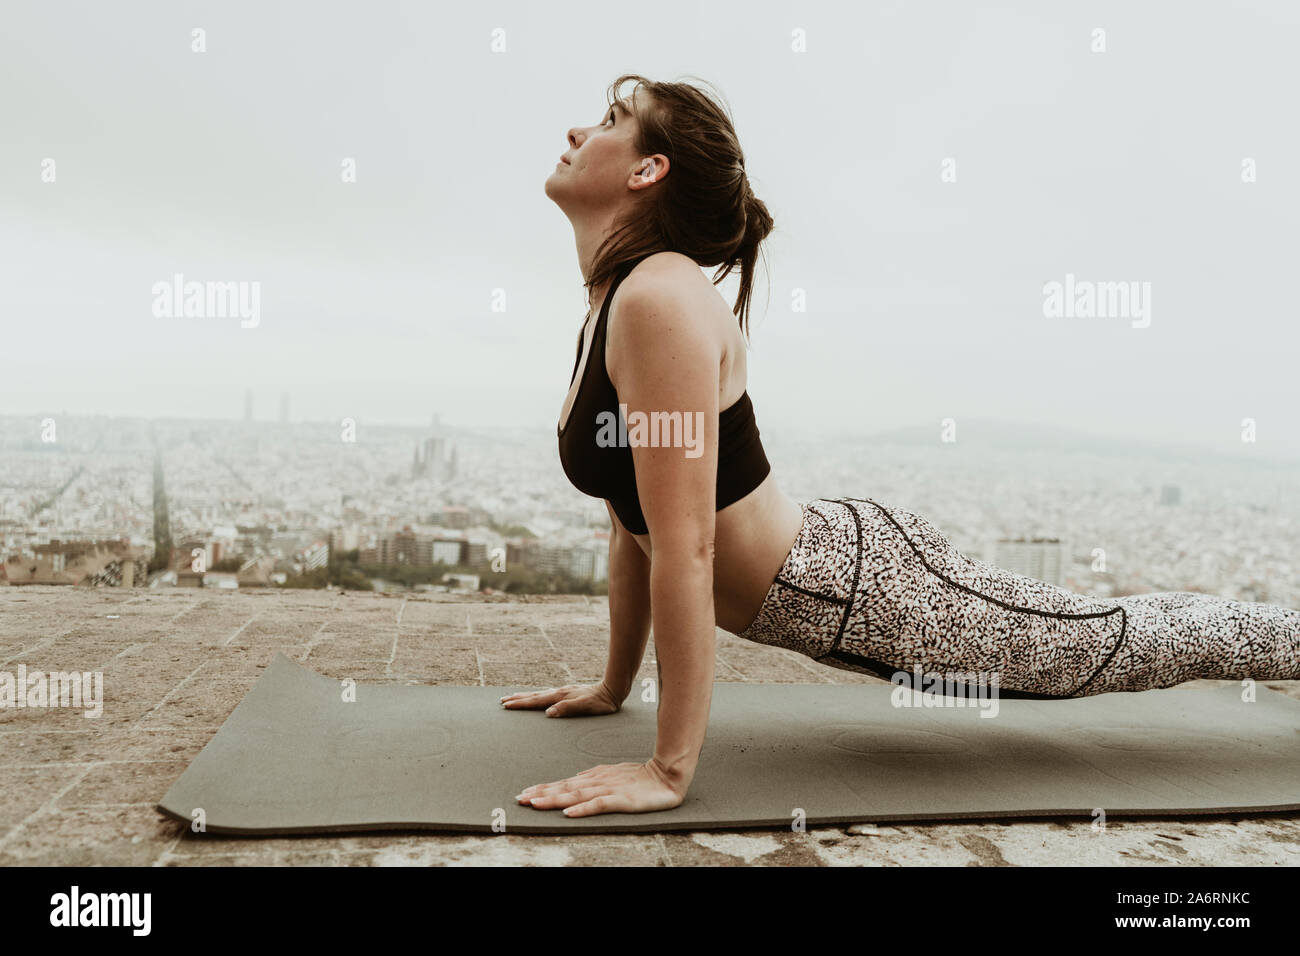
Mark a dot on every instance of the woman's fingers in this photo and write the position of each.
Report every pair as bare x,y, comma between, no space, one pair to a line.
559,701
534,698
567,797
570,705
610,788
603,803
526,694
585,779
603,775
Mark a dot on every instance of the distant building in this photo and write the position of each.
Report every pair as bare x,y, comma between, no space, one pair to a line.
428,461
122,571
345,539
257,572
113,563
547,558
401,547
420,546
589,564
434,458
448,552
196,554
516,551
454,516
317,555
162,529
1040,558
420,549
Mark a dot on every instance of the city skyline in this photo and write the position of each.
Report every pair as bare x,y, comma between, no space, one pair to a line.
993,431
282,499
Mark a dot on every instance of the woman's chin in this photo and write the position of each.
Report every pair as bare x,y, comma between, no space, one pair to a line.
553,189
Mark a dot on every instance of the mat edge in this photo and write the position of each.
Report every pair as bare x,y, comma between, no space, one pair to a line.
767,824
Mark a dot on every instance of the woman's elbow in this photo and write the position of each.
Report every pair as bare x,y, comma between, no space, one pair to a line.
684,551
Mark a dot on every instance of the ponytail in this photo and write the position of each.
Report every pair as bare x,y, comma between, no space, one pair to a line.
758,225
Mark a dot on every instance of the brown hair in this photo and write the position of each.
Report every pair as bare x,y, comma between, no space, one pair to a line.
704,208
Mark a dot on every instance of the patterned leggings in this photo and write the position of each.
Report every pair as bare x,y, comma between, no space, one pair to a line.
879,590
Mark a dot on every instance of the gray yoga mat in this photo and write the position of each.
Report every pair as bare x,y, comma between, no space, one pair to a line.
294,758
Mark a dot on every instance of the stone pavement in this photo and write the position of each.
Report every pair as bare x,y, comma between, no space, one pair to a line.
78,791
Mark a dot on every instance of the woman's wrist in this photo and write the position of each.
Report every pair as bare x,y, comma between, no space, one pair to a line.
617,692
676,773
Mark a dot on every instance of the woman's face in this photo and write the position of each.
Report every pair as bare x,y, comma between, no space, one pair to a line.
595,170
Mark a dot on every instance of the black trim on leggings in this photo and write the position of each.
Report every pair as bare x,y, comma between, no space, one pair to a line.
826,521
802,590
842,655
887,672
794,587
853,589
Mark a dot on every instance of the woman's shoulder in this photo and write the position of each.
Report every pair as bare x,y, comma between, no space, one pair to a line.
664,303
663,265
665,282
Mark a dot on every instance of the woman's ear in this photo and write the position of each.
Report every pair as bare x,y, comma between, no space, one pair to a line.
651,171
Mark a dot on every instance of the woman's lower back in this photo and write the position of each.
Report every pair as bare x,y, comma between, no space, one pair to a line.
751,540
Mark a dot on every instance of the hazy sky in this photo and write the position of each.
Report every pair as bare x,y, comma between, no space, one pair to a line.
924,297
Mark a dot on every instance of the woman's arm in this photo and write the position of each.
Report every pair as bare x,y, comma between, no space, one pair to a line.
665,364
629,627
629,609
667,361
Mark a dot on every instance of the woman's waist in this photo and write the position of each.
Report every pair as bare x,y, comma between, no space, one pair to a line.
752,539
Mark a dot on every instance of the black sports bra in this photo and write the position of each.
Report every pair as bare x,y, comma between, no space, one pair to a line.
605,470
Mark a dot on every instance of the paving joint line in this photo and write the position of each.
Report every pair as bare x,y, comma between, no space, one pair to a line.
47,805
242,627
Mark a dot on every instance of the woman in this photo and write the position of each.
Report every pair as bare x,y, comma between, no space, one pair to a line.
702,534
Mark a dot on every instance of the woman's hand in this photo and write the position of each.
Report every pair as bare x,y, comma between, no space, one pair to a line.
610,788
572,700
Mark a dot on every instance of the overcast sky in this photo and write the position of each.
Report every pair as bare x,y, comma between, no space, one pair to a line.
925,297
